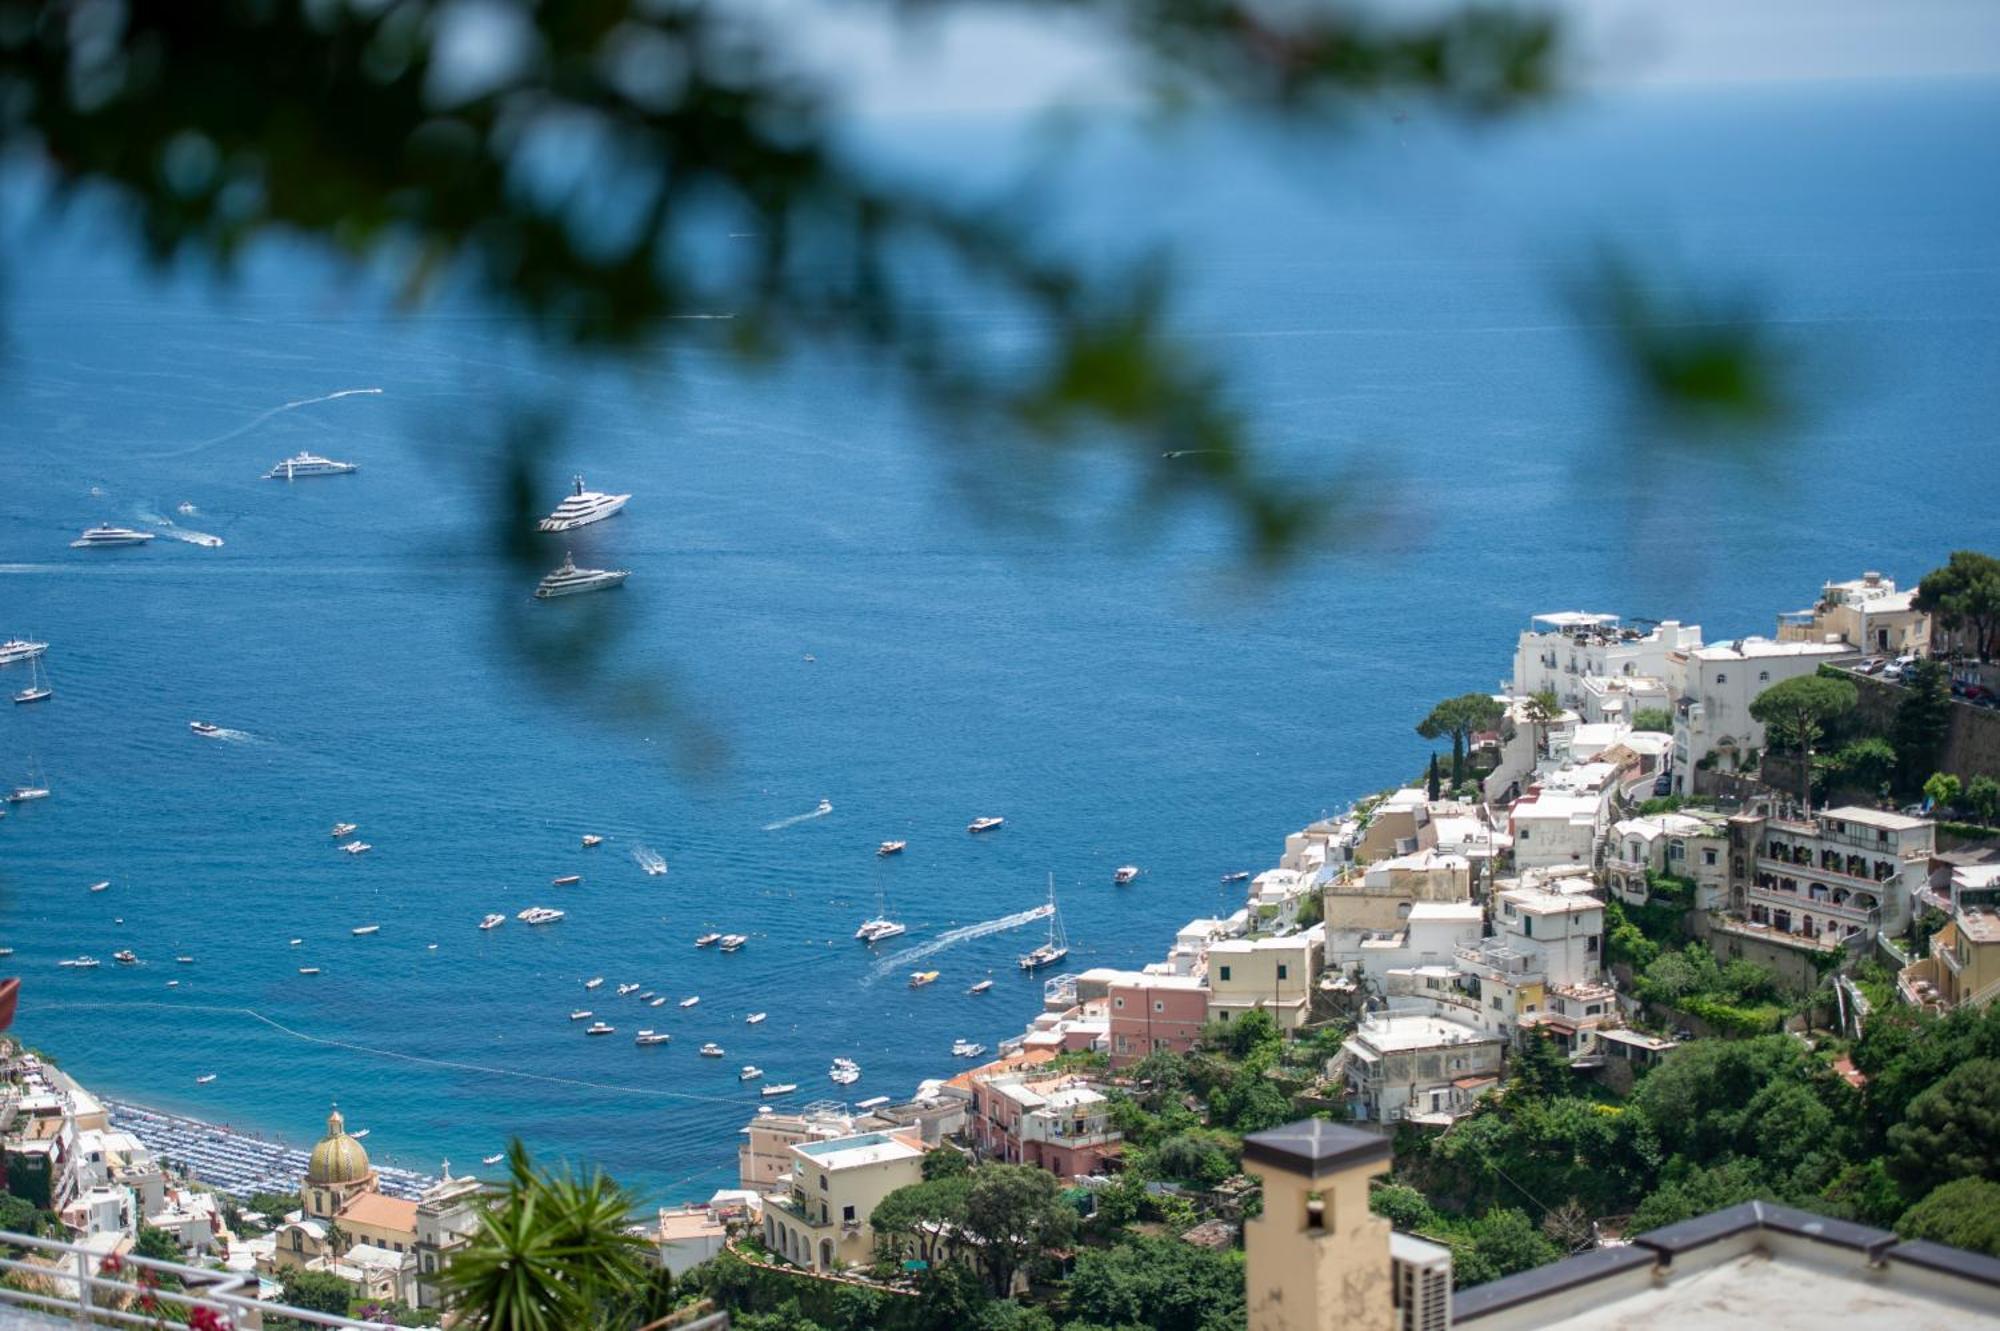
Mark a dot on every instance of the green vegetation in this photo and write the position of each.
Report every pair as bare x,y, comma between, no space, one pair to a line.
1923,714
158,1245
551,1253
1796,712
1159,1283
1982,798
1657,719
1673,803
316,1291
1965,1214
1964,597
1461,718
1866,764
1541,710
1941,789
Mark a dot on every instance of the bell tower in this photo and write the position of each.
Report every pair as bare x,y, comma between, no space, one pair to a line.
1317,1257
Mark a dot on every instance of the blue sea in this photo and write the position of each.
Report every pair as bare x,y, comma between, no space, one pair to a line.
826,602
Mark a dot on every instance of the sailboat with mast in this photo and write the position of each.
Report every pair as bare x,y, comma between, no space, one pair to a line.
38,684
881,927
1057,946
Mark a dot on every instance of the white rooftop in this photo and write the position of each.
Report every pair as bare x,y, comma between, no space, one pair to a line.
1883,818
870,1148
1451,912
1397,1032
1748,649
1540,901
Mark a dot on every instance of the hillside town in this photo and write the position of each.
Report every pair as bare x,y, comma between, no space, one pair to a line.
1628,857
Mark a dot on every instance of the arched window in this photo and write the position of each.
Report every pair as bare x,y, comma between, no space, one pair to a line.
826,1253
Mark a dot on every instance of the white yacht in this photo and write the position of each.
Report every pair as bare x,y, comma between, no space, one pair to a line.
731,942
706,939
20,649
493,921
876,931
1124,874
1241,875
539,915
582,1014
986,824
205,729
363,930
21,794
652,1037
570,580
566,880
783,1088
690,1002
357,848
101,885
492,1159
592,839
750,1072
125,957
344,829
981,987
891,848
80,963
581,508
308,970
204,1079
593,982
659,1000
625,989
308,464
753,1019
711,1050
107,535
599,1028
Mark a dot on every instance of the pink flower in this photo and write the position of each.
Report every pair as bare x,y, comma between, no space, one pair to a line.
206,1319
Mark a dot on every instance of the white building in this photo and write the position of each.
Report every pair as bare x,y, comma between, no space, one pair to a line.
684,1237
1553,829
1417,1065
1715,686
1430,935
1868,614
1559,651
1694,846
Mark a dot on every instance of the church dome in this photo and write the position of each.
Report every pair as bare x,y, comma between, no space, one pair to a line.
338,1158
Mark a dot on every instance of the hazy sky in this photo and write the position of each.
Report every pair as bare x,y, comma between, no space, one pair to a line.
998,58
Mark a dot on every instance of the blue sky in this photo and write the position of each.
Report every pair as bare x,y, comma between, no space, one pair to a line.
1018,58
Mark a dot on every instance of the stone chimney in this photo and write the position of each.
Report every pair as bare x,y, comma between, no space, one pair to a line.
1317,1257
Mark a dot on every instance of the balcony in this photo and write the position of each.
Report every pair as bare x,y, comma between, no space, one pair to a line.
57,1285
1519,966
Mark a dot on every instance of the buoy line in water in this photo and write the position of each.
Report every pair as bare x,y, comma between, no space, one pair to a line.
449,1064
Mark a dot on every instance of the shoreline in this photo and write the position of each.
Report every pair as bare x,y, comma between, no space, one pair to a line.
231,1161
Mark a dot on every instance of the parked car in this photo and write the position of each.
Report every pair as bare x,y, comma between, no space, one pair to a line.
1872,666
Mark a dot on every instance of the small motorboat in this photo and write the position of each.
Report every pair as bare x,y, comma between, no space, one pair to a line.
582,1014
690,1002
185,961
651,1037
987,824
1124,874
1240,876
363,1132
493,921
204,729
592,839
99,887
625,989
565,880
204,1079
599,1028
711,1050
825,806
872,1103
644,995
659,1000
363,930
344,829
184,508
981,987
296,941
492,1159
706,939
753,1019
967,1049
731,942
79,963
357,848
125,957
918,979
173,984
308,970
593,982
750,1072
892,848
845,1076
784,1088
540,915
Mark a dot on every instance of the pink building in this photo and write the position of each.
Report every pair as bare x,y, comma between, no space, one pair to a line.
1060,1124
1152,1012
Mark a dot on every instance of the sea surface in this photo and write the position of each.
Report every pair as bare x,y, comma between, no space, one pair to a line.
825,605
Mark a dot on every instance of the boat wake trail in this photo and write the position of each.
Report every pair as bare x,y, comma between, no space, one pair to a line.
258,420
451,1064
170,529
825,808
649,859
896,961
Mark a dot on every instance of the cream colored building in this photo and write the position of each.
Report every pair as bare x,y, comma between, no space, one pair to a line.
821,1222
764,1157
1868,614
1963,968
1276,975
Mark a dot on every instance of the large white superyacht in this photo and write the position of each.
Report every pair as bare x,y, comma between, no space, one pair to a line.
569,579
308,464
20,649
104,534
582,508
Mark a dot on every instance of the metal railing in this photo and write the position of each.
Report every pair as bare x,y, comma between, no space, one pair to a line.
90,1288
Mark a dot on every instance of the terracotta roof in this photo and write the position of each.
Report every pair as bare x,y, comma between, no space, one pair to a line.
1026,1058
380,1212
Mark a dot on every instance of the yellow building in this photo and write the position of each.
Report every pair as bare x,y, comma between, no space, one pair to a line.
1274,974
1963,968
343,1212
822,1222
